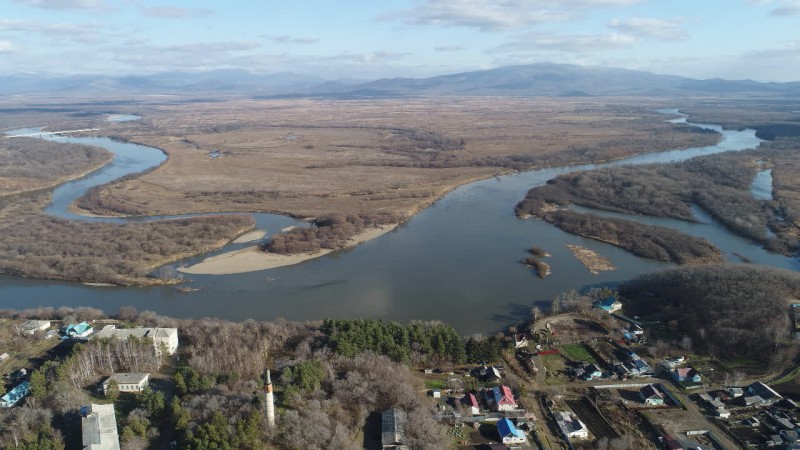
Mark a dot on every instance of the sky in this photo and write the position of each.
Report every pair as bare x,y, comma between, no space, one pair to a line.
732,39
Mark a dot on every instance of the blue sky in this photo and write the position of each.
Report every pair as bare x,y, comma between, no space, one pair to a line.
734,39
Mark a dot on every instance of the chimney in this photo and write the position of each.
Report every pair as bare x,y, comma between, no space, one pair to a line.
269,402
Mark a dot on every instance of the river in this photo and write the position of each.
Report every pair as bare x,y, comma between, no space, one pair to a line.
457,261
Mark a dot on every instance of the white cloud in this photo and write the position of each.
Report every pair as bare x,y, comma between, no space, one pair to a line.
285,39
6,47
95,5
492,15
86,33
449,48
782,7
571,43
172,12
650,28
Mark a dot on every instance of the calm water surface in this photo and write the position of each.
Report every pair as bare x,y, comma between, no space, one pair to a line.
458,260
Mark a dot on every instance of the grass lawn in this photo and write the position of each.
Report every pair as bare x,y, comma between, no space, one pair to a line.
555,366
578,352
434,384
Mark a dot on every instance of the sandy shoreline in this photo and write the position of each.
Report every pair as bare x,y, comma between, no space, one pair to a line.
251,259
252,236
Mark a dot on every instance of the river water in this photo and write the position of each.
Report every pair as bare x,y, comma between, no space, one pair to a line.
457,261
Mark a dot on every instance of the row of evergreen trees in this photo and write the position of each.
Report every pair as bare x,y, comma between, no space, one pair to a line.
431,341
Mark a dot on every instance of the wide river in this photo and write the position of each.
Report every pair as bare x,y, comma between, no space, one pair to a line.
457,261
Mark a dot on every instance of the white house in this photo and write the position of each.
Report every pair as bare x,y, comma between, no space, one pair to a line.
99,427
128,381
509,434
571,426
161,337
29,327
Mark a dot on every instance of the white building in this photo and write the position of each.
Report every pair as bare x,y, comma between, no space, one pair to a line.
128,381
29,327
161,337
99,428
571,426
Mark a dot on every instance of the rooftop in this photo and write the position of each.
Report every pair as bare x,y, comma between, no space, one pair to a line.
99,428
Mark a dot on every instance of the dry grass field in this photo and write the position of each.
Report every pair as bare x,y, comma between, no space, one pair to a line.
311,157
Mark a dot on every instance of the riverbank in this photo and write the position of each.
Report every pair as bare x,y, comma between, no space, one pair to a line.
252,259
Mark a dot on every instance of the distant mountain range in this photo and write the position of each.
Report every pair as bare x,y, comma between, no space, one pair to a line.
542,79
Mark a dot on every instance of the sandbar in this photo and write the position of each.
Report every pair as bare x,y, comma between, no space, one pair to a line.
252,259
592,260
250,237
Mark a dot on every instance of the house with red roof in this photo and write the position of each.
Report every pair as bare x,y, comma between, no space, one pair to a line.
470,402
684,374
501,398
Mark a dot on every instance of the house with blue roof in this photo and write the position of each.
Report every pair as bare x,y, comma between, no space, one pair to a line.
13,396
509,434
78,331
609,304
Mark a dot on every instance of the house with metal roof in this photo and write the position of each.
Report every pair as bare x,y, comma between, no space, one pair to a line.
78,331
393,422
166,338
13,396
128,381
501,398
29,327
99,427
509,434
471,403
571,426
650,395
609,304
686,374
765,392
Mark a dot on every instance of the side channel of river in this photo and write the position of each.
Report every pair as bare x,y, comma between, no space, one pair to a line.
458,260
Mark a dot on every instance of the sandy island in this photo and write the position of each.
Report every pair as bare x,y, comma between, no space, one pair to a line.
593,261
251,259
250,237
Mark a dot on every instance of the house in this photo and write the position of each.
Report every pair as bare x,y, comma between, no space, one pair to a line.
735,392
609,304
650,395
30,327
685,374
471,403
765,392
99,427
752,400
393,422
671,363
13,396
722,413
166,338
78,331
520,340
487,374
501,398
789,436
436,393
752,422
592,372
509,434
571,426
775,441
128,381
670,443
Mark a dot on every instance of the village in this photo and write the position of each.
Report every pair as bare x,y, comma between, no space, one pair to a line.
582,381
575,380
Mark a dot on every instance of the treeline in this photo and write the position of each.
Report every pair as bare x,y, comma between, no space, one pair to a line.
647,241
733,311
39,246
329,232
720,184
429,342
29,163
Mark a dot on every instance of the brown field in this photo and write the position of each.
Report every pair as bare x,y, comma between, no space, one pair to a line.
311,157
